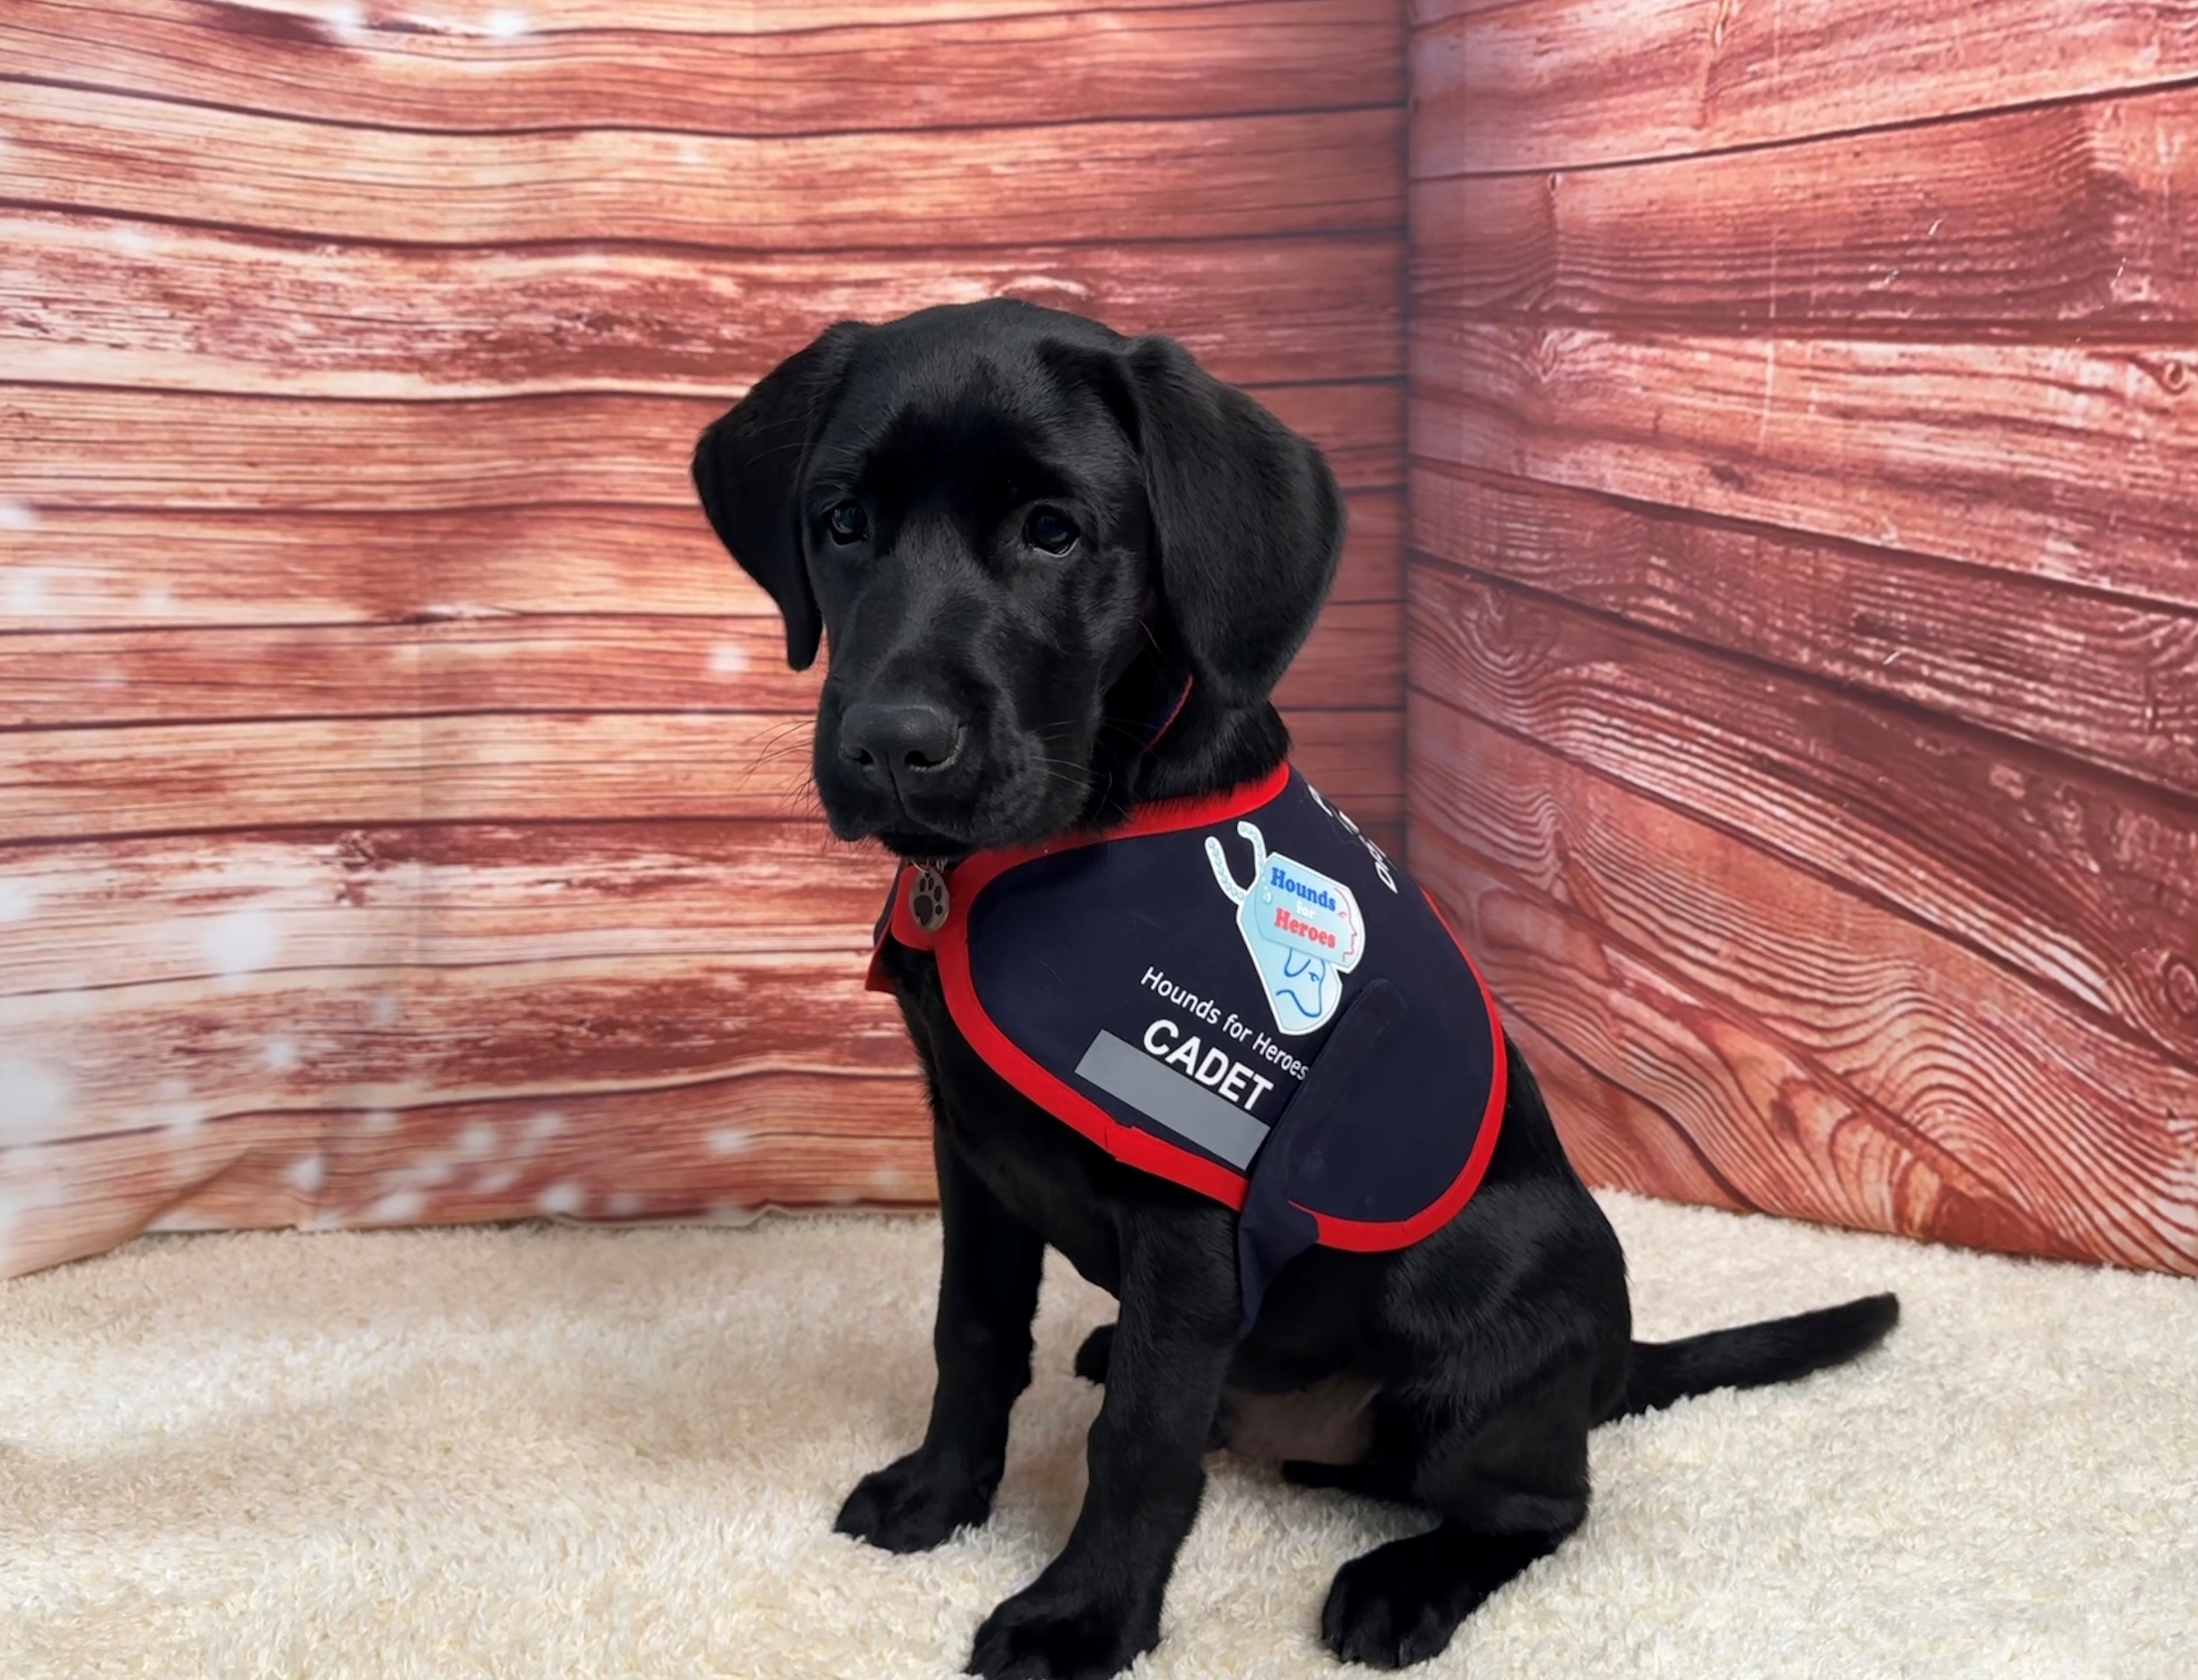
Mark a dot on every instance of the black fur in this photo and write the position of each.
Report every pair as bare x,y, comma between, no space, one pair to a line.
1462,1375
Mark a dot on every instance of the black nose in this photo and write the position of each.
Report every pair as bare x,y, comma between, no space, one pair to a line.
892,742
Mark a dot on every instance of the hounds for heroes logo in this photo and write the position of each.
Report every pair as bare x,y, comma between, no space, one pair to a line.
1302,928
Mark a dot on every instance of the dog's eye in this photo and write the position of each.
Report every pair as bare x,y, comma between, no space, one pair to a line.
1050,531
848,524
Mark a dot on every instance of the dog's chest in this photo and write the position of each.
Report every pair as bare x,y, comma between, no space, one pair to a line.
1049,1176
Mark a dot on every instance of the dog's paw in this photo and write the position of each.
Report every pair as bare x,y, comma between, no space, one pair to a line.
1398,1605
1050,1632
1092,1358
912,1505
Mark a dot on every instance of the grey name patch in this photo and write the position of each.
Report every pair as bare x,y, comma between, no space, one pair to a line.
1181,1104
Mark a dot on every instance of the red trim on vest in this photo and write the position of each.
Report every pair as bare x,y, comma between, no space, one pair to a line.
951,945
1370,1238
1128,1144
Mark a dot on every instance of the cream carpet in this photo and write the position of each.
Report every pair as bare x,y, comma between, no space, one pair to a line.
546,1451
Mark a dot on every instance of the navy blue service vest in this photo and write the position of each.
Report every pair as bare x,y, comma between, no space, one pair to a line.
1241,994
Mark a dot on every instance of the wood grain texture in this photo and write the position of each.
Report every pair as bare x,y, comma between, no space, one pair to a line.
270,975
605,664
91,447
2028,223
2077,467
1612,1135
405,802
145,567
700,73
2111,681
1353,661
2083,881
1801,624
476,18
1329,171
499,767
125,302
1827,1057
798,1140
1372,569
458,1162
1355,758
57,1204
1539,84
168,1053
78,783
480,23
210,908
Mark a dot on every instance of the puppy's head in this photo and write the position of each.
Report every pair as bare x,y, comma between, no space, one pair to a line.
1015,528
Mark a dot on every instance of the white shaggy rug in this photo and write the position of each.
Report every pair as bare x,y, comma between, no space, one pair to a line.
546,1451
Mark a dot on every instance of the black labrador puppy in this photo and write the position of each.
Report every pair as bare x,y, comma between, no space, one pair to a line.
1028,539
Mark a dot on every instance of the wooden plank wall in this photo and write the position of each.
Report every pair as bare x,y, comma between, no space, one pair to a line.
402,804
1803,647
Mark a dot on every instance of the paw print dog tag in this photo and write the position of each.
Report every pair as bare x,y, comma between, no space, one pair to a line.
1302,928
928,900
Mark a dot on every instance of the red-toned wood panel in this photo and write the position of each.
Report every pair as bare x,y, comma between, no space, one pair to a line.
382,1018
620,1085
2075,216
75,447
693,69
1539,84
155,778
142,567
1355,759
145,566
601,663
1802,627
449,1163
406,813
2081,880
2110,681
200,908
798,1138
2077,467
605,664
1825,1056
1613,1135
1327,172
270,314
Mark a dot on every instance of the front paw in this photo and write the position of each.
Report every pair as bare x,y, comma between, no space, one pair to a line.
913,1504
1061,1633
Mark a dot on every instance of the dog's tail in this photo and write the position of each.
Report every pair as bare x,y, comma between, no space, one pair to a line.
1749,1356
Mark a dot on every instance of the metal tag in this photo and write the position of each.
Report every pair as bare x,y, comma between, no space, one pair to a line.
926,899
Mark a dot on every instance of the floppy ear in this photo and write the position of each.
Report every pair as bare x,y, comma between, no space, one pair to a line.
1247,515
747,471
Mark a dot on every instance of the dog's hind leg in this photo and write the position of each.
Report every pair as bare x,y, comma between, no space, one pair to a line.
1093,1356
1505,1490
1375,1479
